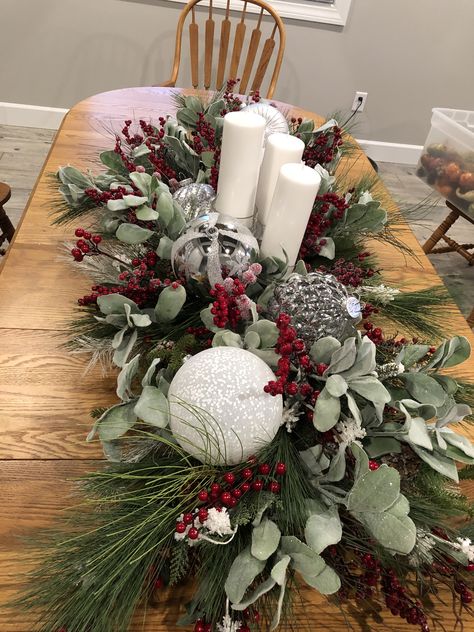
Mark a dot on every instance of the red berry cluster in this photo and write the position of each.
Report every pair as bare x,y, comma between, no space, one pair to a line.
225,307
228,492
400,604
232,102
374,333
87,244
461,588
369,578
328,209
102,197
292,351
204,136
347,273
322,149
125,159
136,139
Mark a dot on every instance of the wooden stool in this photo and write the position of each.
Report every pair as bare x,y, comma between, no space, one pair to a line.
7,229
453,246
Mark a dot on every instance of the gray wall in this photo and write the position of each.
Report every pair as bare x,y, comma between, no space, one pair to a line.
409,55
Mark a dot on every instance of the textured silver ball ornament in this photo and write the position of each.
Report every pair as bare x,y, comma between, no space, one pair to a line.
318,305
219,412
194,199
211,247
275,120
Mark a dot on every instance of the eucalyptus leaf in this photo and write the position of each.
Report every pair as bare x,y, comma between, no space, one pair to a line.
327,582
439,462
371,389
146,213
164,247
418,433
323,529
336,385
170,303
326,411
362,461
114,303
411,354
153,407
116,421
243,572
424,388
252,340
150,372
227,338
374,491
134,201
113,162
133,234
323,349
124,349
263,588
265,539
343,358
125,377
395,532
267,331
380,446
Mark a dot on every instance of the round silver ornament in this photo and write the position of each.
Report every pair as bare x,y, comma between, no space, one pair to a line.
275,120
318,305
212,247
194,199
219,412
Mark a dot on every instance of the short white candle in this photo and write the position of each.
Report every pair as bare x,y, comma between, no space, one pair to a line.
280,149
241,157
295,191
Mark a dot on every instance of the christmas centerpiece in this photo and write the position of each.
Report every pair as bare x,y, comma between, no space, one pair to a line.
267,434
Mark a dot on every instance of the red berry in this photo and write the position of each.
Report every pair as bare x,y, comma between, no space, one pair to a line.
257,485
244,628
280,469
180,527
79,232
87,234
215,488
159,583
96,239
236,493
466,597
188,518
373,465
193,533
175,285
245,487
247,473
264,469
274,487
292,388
229,478
199,626
320,368
203,496
232,502
202,515
470,568
226,497
76,252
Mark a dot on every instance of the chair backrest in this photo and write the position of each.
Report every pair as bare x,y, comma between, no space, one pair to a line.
240,66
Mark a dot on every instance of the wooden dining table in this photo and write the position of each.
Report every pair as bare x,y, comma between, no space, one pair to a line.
45,396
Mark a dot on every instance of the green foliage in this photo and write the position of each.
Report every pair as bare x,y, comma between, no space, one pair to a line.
179,562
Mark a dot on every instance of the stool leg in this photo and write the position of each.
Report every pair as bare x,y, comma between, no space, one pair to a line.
470,318
6,225
440,231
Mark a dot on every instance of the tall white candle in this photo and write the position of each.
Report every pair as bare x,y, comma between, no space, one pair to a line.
295,191
280,149
241,157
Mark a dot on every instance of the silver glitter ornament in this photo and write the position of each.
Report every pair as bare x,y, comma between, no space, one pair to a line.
194,199
219,411
275,120
212,247
318,305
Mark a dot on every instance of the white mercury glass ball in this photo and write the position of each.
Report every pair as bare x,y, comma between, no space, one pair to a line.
275,121
219,412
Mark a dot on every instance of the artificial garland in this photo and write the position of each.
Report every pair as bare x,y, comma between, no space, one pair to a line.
262,436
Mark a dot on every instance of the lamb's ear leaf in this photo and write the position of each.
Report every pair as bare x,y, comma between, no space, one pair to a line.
243,571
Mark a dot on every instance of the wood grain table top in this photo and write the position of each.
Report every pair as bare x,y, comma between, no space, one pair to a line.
45,398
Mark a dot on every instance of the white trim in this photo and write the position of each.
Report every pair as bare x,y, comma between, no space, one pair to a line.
31,115
391,152
335,13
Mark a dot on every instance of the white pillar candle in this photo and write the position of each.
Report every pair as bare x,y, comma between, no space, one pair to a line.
241,157
292,202
280,149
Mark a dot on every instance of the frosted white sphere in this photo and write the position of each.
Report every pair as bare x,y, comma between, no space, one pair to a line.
219,411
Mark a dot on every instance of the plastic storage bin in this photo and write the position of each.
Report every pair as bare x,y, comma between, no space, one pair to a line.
447,160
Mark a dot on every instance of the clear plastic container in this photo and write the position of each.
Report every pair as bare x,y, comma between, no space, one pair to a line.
447,159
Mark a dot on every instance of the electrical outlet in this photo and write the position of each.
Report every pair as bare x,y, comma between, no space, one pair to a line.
360,98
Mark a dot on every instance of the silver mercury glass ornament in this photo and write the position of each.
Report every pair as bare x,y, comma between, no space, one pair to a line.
194,199
212,247
275,121
318,306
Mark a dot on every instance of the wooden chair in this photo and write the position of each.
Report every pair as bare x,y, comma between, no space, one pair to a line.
452,246
238,66
7,229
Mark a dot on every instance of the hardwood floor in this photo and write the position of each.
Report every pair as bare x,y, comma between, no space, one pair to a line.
23,150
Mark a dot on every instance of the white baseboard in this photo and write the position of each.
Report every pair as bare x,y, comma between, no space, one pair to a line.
31,115
391,152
